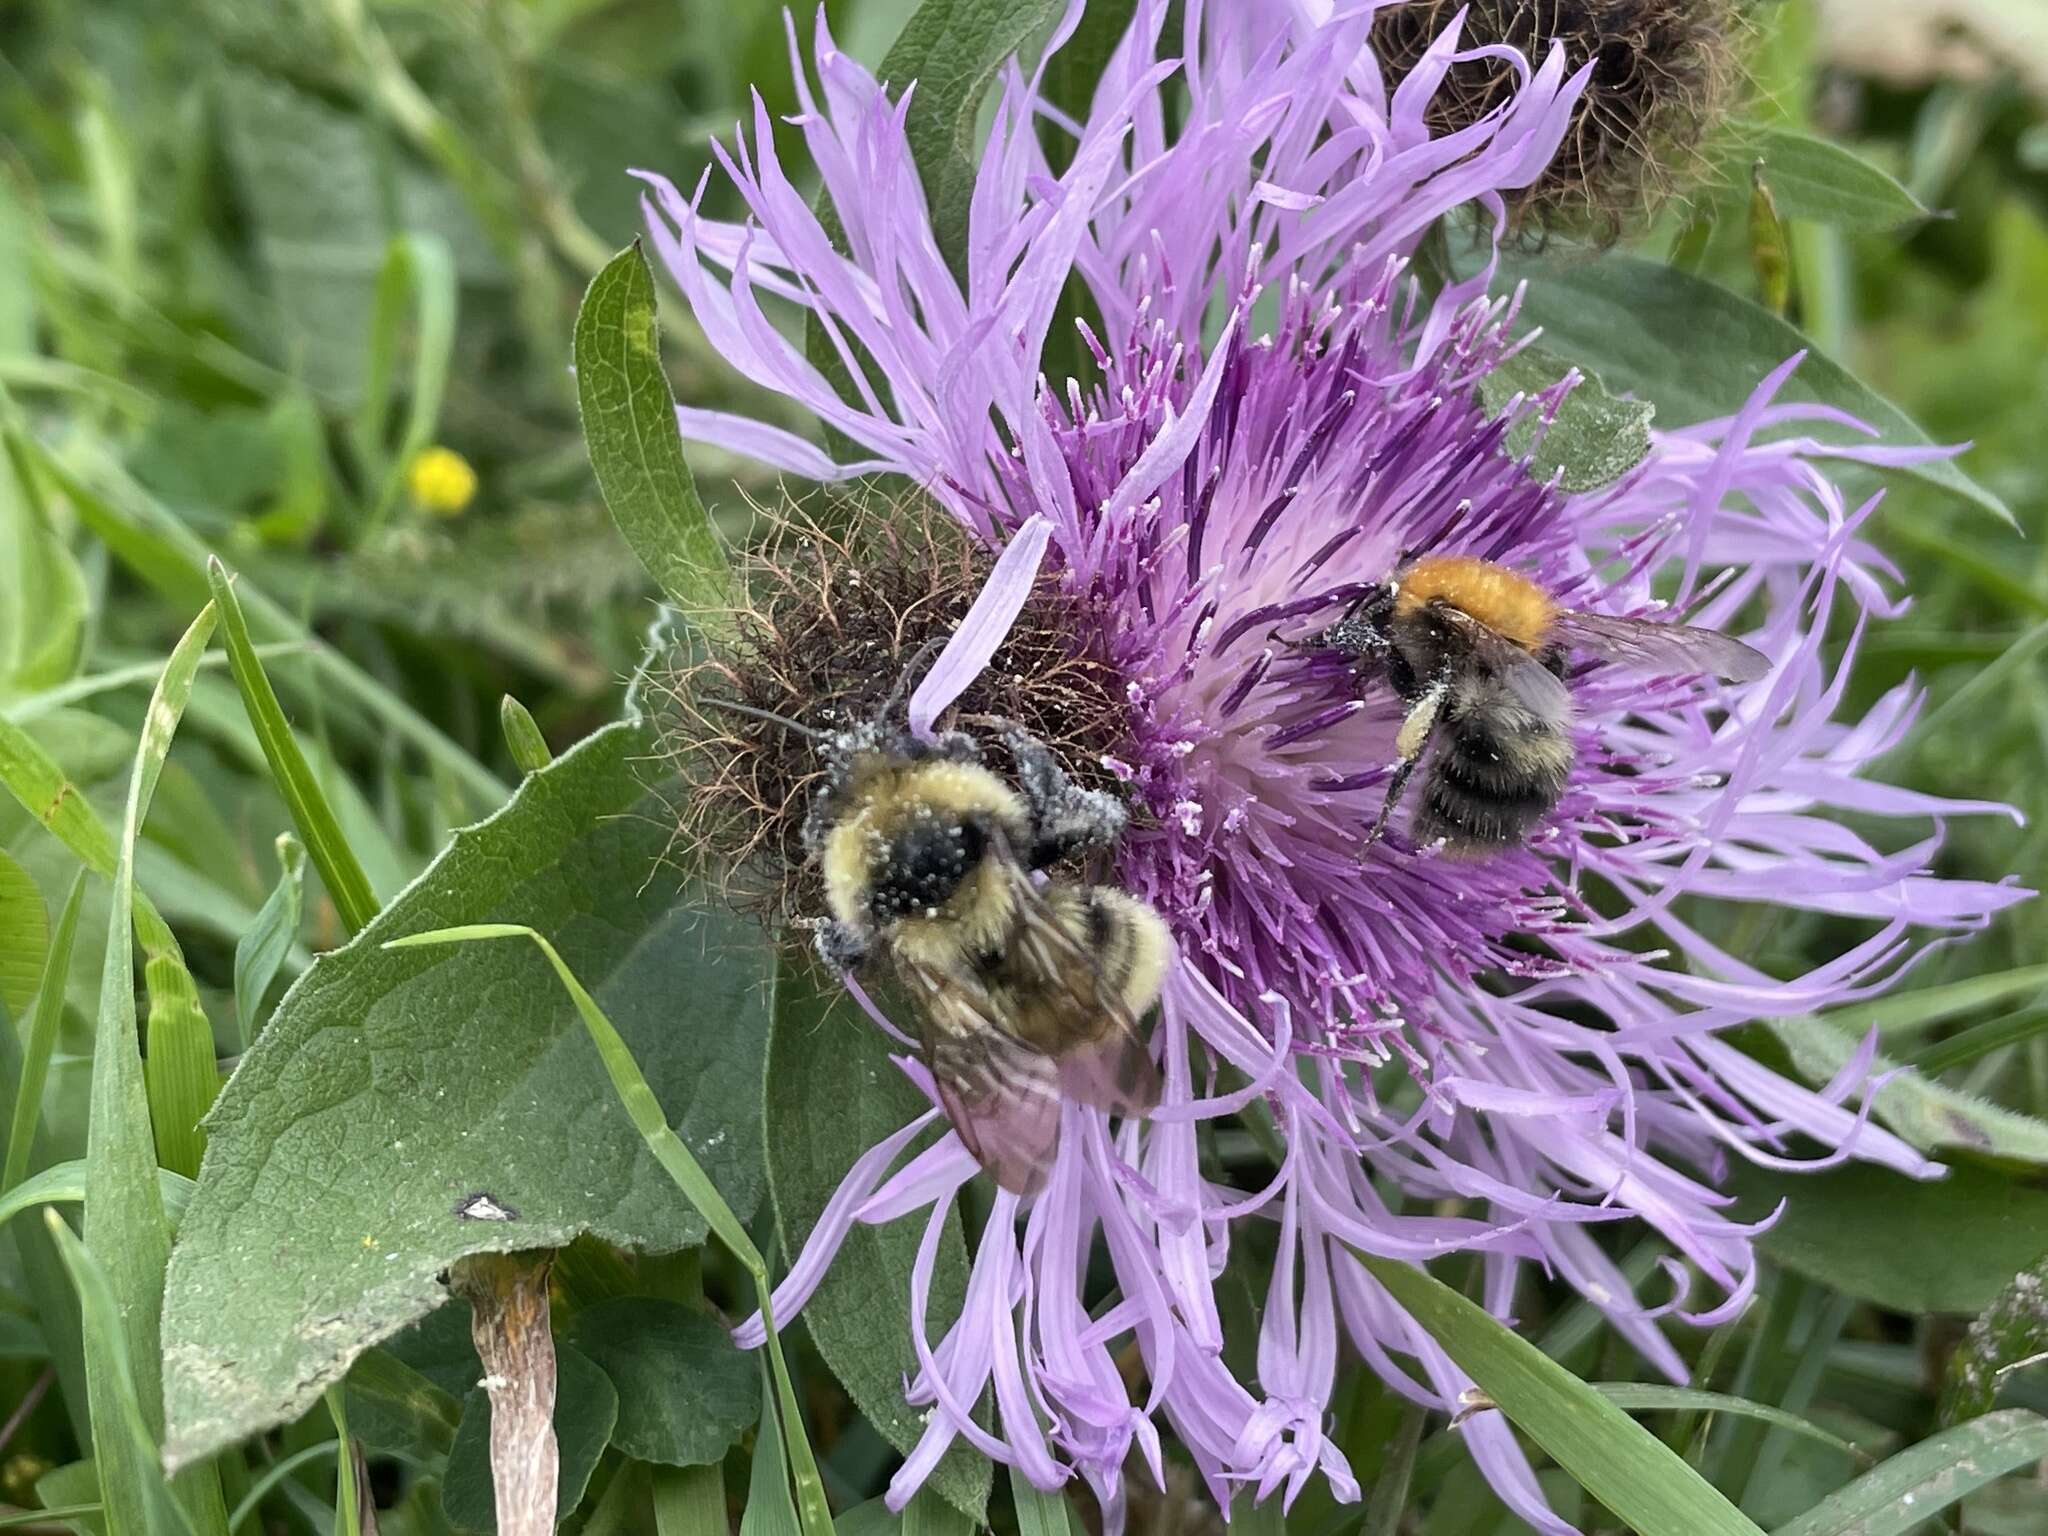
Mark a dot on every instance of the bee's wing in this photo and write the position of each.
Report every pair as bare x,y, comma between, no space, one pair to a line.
1002,1096
1071,1011
1003,1059
1648,647
1532,683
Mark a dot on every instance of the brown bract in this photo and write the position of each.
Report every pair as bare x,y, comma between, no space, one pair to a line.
1665,74
837,608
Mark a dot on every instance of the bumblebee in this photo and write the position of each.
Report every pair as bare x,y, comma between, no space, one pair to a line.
1477,654
1028,993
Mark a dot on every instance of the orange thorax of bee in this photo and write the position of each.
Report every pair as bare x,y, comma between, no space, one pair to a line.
1511,606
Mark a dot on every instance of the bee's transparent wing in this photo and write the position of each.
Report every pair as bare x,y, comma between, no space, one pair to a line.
1644,646
1067,1008
1533,684
1002,1096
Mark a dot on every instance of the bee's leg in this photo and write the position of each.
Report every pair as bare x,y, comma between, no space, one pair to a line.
1557,659
840,945
1065,818
1410,742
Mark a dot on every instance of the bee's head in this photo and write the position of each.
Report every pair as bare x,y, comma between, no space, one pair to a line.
1362,631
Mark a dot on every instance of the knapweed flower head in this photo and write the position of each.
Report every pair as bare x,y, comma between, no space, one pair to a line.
1664,74
1493,1057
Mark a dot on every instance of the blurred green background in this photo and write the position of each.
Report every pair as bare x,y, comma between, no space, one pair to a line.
256,258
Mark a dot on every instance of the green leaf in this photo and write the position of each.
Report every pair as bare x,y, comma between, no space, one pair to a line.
1821,180
523,739
645,1111
1923,1112
2011,1334
953,50
24,936
586,1408
1697,352
289,771
636,449
1646,1484
73,1484
1593,440
136,1499
42,1039
389,1088
686,1393
1652,1397
262,951
395,1410
1899,1495
831,1094
125,1225
1971,1231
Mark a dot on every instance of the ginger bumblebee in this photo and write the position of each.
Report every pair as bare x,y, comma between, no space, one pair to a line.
1477,654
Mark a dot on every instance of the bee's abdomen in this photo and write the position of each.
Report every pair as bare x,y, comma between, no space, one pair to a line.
1127,941
1489,784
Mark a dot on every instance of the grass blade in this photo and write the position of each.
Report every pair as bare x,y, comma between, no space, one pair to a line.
289,770
33,778
645,1111
1611,1456
64,1184
179,1069
272,1476
158,547
769,1511
125,1224
1389,1498
690,1501
42,1040
262,951
1652,1397
418,265
1979,1040
141,1500
636,449
1038,1513
24,935
347,1520
1900,1494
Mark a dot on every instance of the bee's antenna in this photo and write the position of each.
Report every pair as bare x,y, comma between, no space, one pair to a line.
910,670
769,715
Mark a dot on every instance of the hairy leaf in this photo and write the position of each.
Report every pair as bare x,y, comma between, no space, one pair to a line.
391,1089
1697,351
686,1392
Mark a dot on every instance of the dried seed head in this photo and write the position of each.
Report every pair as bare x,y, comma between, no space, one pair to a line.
1665,73
835,611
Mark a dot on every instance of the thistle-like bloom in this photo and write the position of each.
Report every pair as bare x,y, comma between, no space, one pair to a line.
1276,413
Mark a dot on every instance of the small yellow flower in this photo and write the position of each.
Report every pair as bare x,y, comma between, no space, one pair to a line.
440,481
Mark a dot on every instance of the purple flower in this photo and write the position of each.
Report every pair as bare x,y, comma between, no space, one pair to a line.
1278,414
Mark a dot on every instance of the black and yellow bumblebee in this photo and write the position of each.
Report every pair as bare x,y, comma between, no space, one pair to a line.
1477,654
1029,992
